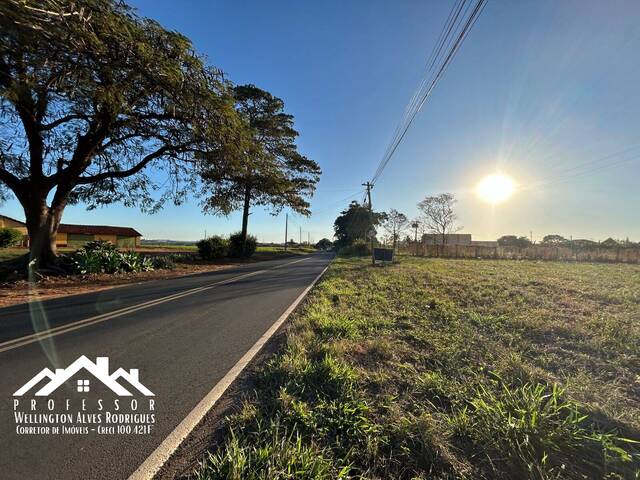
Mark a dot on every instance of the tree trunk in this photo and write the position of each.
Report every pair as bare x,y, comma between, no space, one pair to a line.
42,226
245,217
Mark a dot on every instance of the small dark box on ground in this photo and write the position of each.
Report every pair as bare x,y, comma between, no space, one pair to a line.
383,254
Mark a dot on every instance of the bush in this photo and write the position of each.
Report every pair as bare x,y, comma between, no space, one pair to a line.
165,262
9,237
213,247
100,256
359,248
235,245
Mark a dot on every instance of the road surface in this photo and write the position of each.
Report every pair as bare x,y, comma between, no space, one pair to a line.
183,335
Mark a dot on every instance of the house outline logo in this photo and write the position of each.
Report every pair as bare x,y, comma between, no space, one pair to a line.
99,369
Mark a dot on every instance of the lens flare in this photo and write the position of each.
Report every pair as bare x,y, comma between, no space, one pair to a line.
495,188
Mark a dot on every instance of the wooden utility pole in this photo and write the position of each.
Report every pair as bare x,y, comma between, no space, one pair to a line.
369,186
286,228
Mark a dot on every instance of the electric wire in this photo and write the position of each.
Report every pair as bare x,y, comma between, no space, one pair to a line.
453,30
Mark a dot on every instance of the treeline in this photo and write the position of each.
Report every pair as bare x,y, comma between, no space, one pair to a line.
356,226
100,105
560,241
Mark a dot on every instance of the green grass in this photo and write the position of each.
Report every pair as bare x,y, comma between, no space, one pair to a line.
11,253
437,368
276,250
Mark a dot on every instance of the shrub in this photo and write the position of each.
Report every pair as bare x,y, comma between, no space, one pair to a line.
213,247
235,245
103,257
9,237
165,262
359,248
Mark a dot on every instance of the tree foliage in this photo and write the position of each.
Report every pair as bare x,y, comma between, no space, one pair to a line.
271,170
324,244
514,241
353,224
554,240
90,96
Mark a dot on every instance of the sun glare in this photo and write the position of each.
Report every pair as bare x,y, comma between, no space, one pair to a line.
495,188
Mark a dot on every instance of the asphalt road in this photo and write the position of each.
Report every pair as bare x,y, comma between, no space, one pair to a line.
181,345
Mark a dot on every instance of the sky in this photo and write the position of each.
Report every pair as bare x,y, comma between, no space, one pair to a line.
544,91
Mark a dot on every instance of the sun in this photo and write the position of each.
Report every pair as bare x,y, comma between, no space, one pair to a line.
495,188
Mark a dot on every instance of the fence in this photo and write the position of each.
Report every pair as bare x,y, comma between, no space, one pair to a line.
534,252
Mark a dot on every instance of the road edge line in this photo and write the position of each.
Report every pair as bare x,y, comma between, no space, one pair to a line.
154,462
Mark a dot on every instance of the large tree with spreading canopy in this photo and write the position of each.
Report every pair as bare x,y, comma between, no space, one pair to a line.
271,172
91,96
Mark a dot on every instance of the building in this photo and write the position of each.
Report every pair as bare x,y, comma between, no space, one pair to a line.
449,239
70,235
456,239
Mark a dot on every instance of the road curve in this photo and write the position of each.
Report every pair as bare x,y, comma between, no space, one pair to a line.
182,335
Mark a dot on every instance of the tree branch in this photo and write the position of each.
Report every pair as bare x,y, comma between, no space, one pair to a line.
60,121
124,173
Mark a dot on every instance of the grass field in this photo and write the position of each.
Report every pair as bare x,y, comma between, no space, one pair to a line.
294,250
436,368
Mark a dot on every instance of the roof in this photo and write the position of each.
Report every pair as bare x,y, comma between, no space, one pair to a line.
91,229
98,230
12,219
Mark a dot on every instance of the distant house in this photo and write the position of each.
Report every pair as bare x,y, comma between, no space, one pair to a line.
449,239
71,235
456,239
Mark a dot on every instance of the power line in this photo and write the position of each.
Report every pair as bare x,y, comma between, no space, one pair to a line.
452,30
332,205
586,168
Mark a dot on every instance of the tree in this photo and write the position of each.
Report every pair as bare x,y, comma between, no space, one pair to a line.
394,224
272,171
438,216
415,226
554,240
91,95
324,244
514,241
353,224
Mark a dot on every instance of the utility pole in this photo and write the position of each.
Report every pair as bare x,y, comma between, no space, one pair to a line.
286,227
308,238
369,186
300,238
415,226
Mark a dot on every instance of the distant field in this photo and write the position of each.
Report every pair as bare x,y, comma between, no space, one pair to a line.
10,253
166,246
437,368
280,250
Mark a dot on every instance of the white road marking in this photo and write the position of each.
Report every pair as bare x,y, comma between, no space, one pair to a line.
36,337
152,465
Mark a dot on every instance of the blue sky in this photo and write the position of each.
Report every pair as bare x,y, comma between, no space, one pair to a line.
538,89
